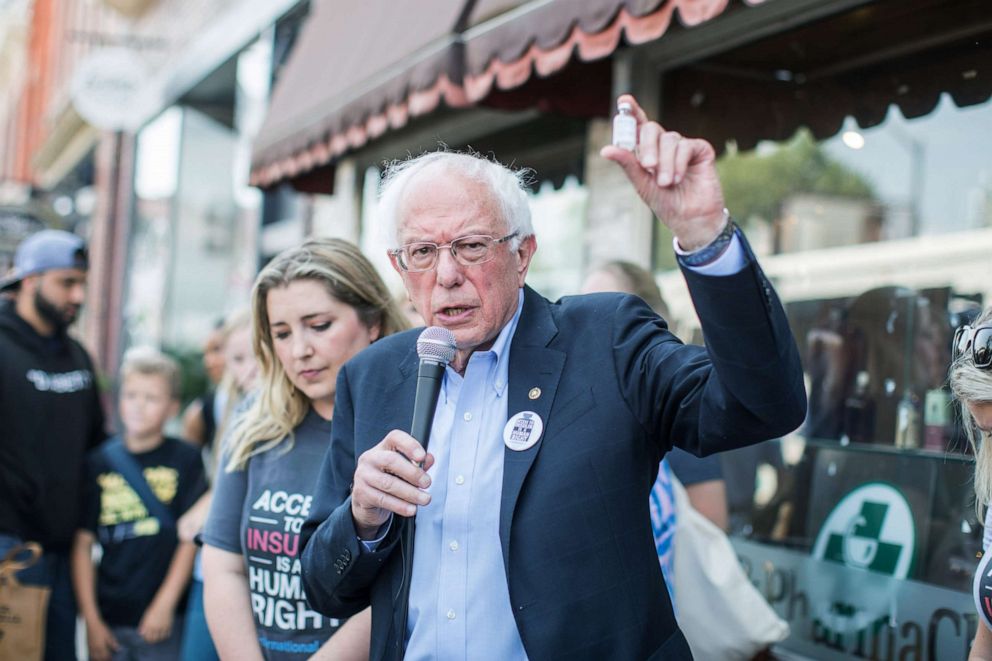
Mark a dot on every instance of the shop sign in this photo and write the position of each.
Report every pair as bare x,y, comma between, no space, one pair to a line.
107,89
870,528
839,610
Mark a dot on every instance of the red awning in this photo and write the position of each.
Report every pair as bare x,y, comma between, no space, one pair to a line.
357,70
356,74
541,37
393,61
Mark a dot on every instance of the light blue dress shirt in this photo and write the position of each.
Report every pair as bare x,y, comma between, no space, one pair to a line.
459,599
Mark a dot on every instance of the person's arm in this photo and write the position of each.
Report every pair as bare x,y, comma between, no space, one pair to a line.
702,478
194,431
190,523
981,648
97,433
758,388
99,639
227,597
156,622
349,643
709,498
227,603
98,430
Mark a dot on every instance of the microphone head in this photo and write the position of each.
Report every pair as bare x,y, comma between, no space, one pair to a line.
437,344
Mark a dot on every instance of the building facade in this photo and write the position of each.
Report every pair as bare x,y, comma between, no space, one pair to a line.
852,139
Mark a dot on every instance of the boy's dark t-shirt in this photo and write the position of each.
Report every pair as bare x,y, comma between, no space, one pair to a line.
257,513
137,548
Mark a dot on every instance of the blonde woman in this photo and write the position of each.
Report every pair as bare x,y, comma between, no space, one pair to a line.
971,383
313,308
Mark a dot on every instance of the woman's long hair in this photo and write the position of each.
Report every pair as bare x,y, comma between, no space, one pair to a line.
280,406
973,384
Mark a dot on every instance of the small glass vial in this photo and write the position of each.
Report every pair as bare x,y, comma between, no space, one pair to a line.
907,420
624,128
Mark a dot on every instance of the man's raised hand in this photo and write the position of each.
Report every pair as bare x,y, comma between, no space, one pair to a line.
676,177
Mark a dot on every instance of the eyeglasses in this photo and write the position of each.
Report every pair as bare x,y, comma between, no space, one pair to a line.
467,251
979,340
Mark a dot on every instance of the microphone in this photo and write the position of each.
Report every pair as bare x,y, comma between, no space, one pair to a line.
436,348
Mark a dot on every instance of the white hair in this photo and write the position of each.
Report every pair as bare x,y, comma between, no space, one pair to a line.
507,187
974,384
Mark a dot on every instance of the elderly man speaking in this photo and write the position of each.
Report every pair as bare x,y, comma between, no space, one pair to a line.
532,531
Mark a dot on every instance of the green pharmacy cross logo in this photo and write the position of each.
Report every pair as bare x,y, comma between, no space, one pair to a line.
870,528
860,545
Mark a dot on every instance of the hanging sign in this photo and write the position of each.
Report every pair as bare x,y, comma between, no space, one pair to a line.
106,89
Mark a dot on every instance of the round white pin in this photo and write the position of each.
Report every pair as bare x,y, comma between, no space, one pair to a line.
522,431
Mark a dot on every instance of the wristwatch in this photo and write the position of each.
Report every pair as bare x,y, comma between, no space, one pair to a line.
714,249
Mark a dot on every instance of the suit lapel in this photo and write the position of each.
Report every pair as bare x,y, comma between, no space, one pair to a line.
397,409
532,366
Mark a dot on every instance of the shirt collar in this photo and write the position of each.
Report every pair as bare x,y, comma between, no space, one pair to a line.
499,351
501,347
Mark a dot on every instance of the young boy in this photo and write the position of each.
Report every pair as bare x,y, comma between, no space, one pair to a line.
130,605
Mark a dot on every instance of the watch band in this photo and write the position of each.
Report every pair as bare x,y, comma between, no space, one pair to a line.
714,249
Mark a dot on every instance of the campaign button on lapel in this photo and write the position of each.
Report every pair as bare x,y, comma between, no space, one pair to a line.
522,431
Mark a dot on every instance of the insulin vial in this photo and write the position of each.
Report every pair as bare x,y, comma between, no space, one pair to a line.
624,128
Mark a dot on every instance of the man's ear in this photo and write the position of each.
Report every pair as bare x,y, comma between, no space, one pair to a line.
28,287
525,253
30,283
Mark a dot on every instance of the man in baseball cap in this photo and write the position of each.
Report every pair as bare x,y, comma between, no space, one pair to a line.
54,263
51,415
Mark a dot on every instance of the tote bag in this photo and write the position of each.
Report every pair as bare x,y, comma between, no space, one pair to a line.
722,615
23,608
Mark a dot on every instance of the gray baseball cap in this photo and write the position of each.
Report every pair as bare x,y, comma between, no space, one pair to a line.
44,251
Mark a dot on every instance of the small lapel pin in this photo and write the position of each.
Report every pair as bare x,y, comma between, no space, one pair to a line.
534,393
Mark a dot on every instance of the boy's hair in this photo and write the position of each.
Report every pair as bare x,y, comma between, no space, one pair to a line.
152,362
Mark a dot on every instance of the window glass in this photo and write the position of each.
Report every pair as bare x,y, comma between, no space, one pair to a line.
877,241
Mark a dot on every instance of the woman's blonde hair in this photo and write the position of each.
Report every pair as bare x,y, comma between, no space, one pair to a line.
280,406
974,384
227,389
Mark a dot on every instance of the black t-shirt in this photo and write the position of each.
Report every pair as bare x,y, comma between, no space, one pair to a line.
137,548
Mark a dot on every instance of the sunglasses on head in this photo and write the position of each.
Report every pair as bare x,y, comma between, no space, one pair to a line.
978,340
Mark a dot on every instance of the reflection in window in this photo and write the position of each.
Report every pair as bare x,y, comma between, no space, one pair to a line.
877,241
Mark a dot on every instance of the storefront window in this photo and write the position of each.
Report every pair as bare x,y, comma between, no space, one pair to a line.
862,530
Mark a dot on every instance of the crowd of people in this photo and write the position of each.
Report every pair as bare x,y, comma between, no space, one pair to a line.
298,518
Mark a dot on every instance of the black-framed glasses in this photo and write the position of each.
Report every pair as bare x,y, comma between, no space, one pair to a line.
467,250
978,340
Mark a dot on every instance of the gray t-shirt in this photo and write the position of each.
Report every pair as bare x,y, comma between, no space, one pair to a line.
258,512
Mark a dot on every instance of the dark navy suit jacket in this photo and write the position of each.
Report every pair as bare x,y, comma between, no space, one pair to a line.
618,389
